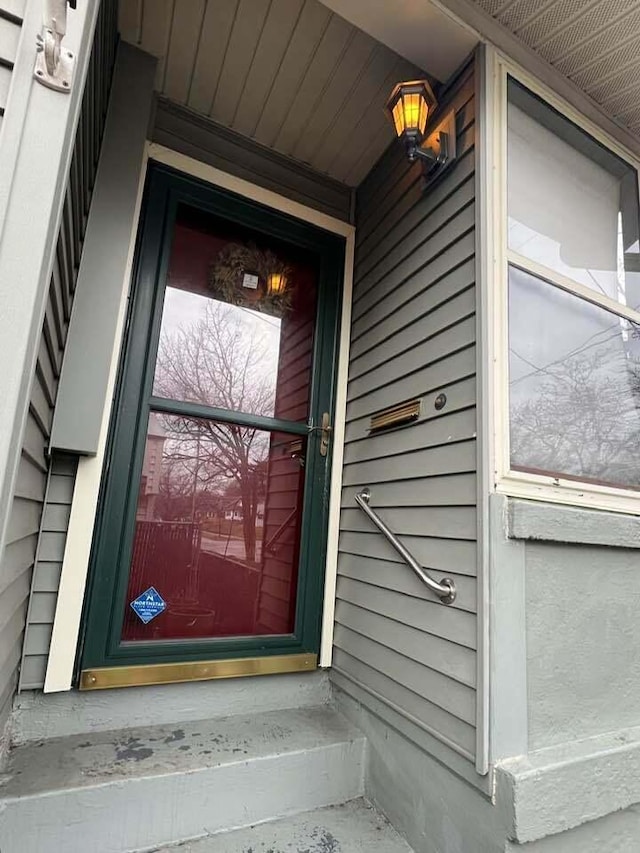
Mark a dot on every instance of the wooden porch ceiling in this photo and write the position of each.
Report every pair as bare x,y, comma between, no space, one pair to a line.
595,43
289,74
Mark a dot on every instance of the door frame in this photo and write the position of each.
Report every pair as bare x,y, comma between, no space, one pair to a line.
66,631
109,572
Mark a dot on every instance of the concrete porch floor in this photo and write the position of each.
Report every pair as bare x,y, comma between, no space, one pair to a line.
355,827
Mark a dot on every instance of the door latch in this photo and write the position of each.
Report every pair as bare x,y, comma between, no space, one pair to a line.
325,433
54,63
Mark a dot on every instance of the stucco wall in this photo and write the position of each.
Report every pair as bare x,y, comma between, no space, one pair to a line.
582,626
616,833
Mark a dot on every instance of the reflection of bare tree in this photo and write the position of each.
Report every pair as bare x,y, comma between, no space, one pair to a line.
220,361
223,362
176,489
583,419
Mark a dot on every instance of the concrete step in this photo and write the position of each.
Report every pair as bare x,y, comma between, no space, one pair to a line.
38,715
354,827
136,789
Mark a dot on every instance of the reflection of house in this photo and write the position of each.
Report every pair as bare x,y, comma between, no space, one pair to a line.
506,720
234,513
151,469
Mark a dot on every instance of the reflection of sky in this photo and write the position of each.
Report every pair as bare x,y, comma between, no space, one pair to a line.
549,328
183,309
238,371
574,365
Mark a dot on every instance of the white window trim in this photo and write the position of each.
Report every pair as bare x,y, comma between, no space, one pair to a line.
519,484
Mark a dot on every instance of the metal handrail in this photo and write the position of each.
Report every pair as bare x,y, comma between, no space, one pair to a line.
444,589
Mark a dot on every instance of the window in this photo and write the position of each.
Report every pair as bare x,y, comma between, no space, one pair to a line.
573,303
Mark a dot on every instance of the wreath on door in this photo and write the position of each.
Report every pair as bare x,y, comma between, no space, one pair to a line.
243,274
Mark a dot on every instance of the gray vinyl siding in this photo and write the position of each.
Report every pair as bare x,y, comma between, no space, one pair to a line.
204,140
46,577
413,335
11,16
37,475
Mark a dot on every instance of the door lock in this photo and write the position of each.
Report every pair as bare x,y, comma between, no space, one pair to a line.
325,434
325,431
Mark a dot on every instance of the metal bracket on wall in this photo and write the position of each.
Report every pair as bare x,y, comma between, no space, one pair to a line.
54,63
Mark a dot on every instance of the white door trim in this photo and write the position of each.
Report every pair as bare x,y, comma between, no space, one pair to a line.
66,628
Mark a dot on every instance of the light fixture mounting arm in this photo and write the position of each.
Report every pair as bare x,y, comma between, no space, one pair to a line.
437,147
435,154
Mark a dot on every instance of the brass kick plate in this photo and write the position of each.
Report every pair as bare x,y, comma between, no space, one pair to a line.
168,673
403,413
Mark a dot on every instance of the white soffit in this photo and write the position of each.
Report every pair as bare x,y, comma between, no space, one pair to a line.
415,29
291,75
594,43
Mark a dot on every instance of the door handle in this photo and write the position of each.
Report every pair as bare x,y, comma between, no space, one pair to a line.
325,430
325,434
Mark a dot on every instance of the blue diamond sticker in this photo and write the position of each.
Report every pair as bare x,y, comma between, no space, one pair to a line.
149,604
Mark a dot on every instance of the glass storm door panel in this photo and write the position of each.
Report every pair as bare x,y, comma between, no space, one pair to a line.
218,518
211,538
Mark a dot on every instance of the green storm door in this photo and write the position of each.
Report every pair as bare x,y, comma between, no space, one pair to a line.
209,551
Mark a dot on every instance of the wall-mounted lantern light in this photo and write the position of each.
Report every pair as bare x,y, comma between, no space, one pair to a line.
410,106
276,283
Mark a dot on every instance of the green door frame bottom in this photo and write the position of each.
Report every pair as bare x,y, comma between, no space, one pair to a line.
104,661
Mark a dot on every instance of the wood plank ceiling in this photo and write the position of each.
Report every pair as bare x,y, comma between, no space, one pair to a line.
289,74
596,43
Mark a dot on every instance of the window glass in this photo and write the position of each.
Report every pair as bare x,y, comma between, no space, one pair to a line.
218,526
574,361
574,383
238,320
572,205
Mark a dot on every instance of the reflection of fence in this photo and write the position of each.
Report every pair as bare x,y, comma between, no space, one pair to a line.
207,594
231,588
165,555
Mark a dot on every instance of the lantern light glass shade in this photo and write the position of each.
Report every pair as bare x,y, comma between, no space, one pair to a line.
276,283
409,106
